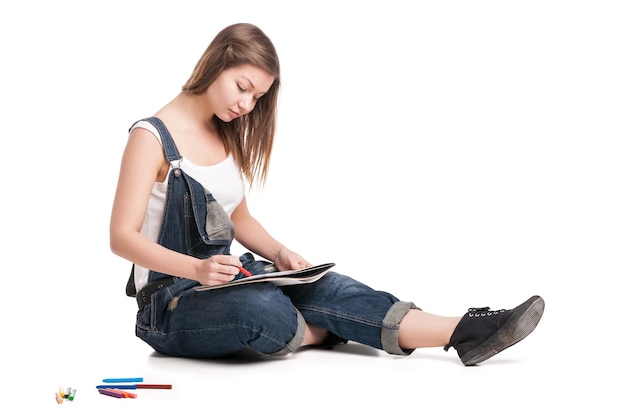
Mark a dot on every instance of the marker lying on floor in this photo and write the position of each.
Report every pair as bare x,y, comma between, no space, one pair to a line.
110,393
136,386
126,394
115,380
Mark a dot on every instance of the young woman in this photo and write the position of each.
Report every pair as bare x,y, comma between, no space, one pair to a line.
180,202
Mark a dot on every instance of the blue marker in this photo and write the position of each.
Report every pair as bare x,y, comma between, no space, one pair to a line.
115,380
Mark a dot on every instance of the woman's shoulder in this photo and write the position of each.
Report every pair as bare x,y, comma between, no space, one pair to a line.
145,128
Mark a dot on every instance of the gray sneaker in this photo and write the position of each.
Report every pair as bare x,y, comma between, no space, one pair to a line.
482,333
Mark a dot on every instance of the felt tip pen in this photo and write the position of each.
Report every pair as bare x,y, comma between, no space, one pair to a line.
244,271
135,386
115,380
110,393
126,394
154,386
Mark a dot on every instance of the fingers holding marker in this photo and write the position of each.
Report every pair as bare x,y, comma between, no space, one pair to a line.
229,262
235,262
244,271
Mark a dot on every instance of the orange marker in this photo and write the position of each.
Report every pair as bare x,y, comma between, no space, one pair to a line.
126,394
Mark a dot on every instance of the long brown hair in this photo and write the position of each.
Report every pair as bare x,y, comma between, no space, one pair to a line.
250,137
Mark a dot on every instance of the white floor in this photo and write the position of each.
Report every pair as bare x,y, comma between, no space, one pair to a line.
557,370
463,154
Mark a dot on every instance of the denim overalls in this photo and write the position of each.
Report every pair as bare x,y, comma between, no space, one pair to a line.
180,321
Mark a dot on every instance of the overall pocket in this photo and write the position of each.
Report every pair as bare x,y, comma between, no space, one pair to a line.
207,225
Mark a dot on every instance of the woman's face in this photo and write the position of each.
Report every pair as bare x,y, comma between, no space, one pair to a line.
236,91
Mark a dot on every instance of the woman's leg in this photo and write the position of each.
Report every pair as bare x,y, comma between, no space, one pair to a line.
217,323
314,335
350,310
353,311
480,334
419,329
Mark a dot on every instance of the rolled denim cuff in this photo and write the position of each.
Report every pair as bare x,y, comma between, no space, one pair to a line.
296,340
391,327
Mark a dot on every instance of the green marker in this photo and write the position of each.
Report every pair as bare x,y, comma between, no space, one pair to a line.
72,394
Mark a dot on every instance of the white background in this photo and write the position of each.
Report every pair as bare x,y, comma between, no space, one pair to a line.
454,153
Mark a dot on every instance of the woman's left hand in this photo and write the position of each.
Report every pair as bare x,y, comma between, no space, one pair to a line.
289,260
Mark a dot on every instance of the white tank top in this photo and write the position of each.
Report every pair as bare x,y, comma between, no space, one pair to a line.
223,180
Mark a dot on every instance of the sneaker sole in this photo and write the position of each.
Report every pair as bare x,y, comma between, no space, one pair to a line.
521,323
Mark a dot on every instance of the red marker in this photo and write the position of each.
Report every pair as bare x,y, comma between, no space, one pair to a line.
244,271
154,386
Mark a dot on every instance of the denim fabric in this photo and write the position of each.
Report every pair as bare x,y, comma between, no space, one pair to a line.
180,321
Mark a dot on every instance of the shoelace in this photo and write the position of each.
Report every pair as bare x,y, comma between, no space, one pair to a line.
483,312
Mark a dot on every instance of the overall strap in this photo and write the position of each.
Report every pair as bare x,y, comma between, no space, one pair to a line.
172,155
189,211
171,151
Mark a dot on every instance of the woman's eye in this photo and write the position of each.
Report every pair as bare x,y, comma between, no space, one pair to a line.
243,90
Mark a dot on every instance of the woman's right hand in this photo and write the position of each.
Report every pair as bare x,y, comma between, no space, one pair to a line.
218,269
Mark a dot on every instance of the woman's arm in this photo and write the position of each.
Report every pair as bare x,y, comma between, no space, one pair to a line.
253,236
143,163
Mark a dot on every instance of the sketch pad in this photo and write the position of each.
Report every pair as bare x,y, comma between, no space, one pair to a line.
302,276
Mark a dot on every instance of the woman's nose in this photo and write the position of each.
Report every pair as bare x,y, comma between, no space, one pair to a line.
246,104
